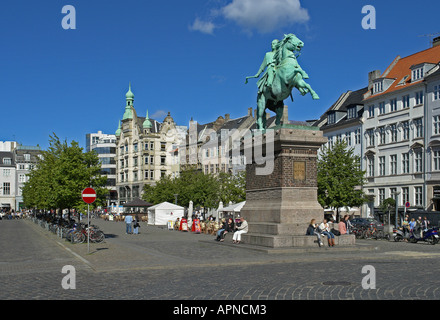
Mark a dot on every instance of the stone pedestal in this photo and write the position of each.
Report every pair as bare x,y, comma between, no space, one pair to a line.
281,185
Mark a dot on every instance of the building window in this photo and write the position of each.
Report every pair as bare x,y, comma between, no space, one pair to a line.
393,132
135,147
7,161
162,160
381,195
371,166
419,97
393,164
352,113
6,188
405,130
418,193
331,118
357,136
21,178
382,135
405,162
418,124
436,160
405,195
436,124
27,157
418,163
348,138
405,101
371,111
163,146
370,137
381,107
436,93
417,74
382,165
151,159
6,172
378,87
393,105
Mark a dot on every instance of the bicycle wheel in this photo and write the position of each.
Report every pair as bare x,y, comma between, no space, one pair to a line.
98,236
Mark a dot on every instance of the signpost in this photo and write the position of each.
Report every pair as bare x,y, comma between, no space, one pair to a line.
89,196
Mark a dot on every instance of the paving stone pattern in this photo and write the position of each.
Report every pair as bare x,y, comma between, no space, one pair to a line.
159,264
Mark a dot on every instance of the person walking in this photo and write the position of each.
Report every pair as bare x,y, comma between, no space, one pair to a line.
128,222
243,228
136,226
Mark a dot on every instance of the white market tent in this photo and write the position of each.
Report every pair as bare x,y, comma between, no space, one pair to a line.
160,214
233,208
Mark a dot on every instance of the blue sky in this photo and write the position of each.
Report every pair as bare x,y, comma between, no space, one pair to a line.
188,57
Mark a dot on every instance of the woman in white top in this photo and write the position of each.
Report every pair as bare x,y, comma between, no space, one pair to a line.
243,228
325,230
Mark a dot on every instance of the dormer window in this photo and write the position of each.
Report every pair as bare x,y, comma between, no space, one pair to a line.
378,87
417,74
351,112
331,118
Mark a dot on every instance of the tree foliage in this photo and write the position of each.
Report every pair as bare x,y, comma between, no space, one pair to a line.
60,176
205,190
339,177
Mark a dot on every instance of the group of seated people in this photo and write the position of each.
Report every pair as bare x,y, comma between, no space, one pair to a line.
323,229
215,228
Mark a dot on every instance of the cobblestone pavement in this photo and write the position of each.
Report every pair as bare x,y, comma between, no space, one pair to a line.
159,264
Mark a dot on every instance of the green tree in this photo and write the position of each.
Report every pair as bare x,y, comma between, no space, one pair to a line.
340,178
60,176
202,189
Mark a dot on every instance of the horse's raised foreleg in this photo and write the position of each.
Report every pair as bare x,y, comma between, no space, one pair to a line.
303,86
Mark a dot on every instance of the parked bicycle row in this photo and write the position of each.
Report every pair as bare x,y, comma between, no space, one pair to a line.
69,229
411,231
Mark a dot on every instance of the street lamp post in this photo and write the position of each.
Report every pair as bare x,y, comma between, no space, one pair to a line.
396,194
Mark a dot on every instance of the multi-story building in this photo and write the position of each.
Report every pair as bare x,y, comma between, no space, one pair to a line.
146,150
432,101
105,146
400,125
26,158
16,162
7,181
215,146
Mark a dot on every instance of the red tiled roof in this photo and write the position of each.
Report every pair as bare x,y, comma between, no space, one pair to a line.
398,70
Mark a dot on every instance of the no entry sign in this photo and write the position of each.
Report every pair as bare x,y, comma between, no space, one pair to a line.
88,195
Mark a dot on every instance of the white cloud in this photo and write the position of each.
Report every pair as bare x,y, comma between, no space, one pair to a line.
159,115
202,26
265,15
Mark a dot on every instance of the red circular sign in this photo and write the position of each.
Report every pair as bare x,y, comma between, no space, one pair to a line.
88,195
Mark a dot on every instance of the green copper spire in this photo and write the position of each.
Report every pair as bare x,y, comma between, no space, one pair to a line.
147,123
128,114
129,95
118,132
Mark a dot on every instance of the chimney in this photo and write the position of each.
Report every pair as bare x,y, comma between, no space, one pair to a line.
436,42
373,75
227,117
249,112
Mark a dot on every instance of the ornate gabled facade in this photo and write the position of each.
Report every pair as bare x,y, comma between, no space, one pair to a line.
146,150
